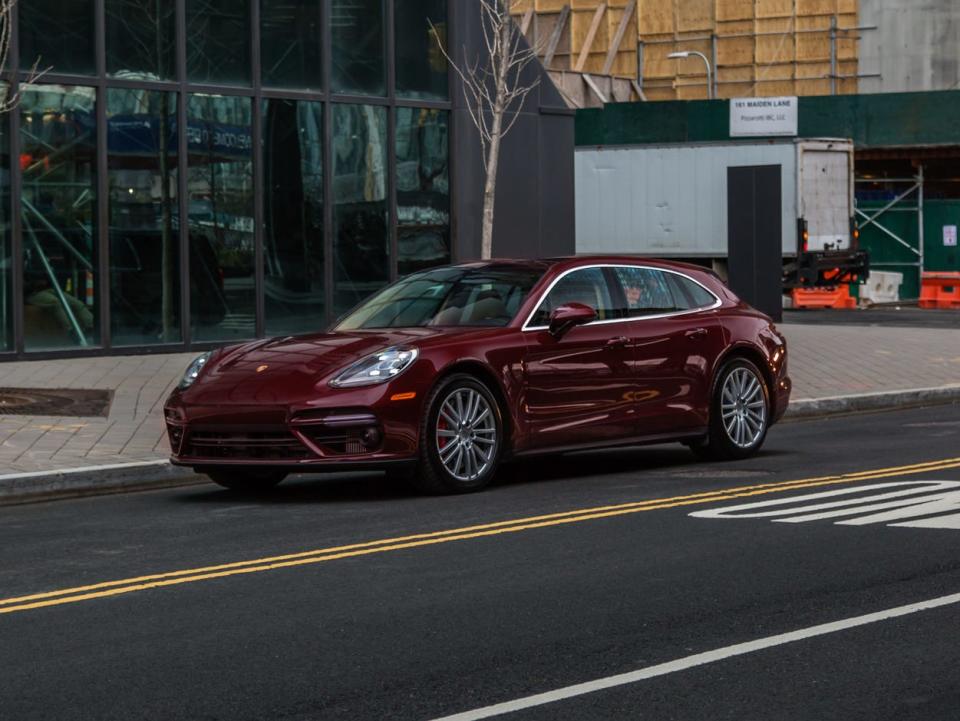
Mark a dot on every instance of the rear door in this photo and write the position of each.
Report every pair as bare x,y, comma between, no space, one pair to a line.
676,335
825,195
579,388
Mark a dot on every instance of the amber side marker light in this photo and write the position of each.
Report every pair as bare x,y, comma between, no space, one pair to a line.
403,396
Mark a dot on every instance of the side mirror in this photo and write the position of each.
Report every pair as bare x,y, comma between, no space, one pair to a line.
566,316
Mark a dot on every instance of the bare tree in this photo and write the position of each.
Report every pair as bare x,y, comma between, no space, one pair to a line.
9,102
494,88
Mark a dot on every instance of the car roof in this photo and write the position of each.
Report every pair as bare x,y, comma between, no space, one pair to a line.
576,260
572,261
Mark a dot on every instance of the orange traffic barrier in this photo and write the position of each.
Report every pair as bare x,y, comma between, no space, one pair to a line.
837,297
940,289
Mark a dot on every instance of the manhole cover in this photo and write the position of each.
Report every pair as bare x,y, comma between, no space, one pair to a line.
65,402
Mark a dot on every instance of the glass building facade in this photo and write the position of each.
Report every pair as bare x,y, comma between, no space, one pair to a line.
194,172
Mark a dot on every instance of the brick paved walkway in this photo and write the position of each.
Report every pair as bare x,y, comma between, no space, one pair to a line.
825,361
132,432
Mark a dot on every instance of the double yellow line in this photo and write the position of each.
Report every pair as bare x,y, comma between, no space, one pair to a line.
322,555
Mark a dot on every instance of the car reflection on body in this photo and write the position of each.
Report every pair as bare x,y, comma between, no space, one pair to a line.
445,374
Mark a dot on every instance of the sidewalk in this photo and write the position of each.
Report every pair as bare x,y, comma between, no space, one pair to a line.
826,362
133,431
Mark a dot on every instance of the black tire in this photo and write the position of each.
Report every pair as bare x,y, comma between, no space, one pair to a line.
245,480
432,475
723,444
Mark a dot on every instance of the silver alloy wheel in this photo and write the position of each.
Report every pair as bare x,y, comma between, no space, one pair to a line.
743,407
466,434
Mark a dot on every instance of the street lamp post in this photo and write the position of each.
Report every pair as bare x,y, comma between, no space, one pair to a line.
687,54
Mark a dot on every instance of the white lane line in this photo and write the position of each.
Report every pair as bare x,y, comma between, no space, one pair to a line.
699,659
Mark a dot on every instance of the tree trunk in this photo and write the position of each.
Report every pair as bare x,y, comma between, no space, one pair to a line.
490,187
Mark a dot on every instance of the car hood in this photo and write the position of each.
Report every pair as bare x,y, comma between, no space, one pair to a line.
285,370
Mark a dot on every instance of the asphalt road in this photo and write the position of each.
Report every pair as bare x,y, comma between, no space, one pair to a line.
351,599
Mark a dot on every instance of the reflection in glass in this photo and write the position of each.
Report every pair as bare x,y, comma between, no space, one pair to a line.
144,240
358,47
218,41
423,189
140,39
290,43
293,216
220,222
360,239
59,34
6,250
421,67
58,210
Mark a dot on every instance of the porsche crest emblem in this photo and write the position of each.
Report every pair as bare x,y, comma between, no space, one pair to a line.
261,369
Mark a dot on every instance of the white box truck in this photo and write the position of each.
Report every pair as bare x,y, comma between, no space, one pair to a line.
671,201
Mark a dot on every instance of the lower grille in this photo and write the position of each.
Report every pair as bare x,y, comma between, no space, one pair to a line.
269,446
342,441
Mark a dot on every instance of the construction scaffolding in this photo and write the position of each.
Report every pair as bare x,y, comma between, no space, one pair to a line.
754,47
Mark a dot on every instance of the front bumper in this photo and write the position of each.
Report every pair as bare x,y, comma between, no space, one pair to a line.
332,438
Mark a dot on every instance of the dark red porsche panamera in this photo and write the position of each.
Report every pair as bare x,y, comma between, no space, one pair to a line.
447,372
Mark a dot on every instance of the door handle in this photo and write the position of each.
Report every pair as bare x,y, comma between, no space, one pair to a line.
696,334
619,342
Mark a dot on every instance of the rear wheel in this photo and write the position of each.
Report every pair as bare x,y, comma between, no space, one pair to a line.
245,480
461,437
739,413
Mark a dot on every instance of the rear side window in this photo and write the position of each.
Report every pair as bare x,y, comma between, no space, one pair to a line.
587,286
647,291
699,296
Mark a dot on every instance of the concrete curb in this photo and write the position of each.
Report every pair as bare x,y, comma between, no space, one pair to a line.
803,408
18,488
93,481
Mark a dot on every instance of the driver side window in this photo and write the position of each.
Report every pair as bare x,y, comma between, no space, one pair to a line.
587,286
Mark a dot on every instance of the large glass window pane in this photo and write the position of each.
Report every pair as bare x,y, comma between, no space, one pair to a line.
290,43
218,41
58,210
6,250
421,67
220,222
358,47
140,39
361,263
293,216
59,34
144,240
423,189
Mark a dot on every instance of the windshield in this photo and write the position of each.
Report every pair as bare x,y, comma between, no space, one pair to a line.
460,296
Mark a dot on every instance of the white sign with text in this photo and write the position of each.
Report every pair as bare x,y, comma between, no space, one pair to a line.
761,117
950,236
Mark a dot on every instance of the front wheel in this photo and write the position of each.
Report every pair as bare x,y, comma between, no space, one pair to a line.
245,480
461,437
739,413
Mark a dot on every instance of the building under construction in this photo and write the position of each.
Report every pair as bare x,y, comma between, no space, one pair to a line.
620,49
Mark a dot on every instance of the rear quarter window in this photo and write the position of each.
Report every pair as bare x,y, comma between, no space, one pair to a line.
699,296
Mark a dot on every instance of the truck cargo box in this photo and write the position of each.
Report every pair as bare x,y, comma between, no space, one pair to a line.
671,200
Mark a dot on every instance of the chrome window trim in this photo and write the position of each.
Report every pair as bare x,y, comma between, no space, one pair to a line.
716,304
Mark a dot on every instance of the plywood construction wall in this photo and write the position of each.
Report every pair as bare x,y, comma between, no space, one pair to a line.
763,47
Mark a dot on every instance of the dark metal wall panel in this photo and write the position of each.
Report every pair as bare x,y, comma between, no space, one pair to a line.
528,181
556,206
516,229
754,232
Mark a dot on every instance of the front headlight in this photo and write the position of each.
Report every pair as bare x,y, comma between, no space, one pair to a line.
193,370
377,368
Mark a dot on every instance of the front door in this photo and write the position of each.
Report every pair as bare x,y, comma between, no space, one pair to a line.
579,388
